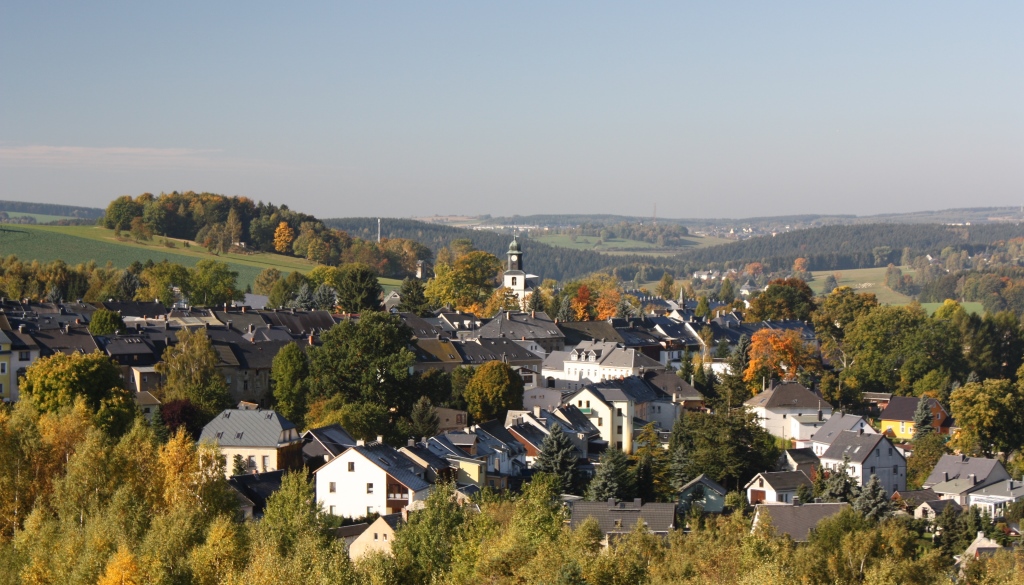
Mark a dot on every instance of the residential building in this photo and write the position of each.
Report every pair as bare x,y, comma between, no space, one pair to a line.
534,326
822,438
6,388
985,472
148,404
253,491
322,444
597,361
776,487
704,492
932,509
378,536
799,460
868,454
451,419
367,479
898,417
618,408
617,519
264,439
776,407
997,497
795,521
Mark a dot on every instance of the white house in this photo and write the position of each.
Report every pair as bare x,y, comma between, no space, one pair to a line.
619,407
776,487
869,454
996,498
822,438
775,408
368,479
597,361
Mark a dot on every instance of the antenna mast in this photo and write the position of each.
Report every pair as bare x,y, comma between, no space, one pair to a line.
378,230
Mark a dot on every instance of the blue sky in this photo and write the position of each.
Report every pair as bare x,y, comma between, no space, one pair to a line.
712,109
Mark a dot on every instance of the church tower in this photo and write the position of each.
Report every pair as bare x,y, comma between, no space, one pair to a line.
515,255
514,278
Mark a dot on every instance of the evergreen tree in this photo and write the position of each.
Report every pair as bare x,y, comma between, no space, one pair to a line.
558,457
413,298
922,418
840,487
289,372
685,370
613,479
873,502
727,293
804,493
238,466
679,468
651,466
830,284
104,322
358,289
424,419
536,301
304,298
325,297
703,309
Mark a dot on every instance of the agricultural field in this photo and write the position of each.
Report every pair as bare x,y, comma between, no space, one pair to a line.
39,217
870,280
622,246
80,244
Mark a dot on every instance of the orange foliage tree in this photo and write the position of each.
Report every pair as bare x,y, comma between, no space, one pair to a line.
581,304
779,354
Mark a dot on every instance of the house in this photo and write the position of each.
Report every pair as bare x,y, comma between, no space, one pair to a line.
997,497
683,394
435,353
450,419
773,487
617,519
598,361
615,407
534,326
368,479
264,439
435,468
876,401
530,428
868,454
985,472
796,521
799,460
776,406
705,492
822,439
322,444
5,368
378,536
148,405
254,490
982,546
910,499
24,352
932,509
898,417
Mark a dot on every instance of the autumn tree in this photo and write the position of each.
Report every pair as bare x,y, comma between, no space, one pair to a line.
783,299
283,237
189,368
776,354
990,415
266,280
159,281
494,389
665,285
463,277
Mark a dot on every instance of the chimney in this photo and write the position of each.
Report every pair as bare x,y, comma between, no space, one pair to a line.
360,443
536,411
380,438
21,328
405,514
860,432
796,501
638,502
945,476
229,324
533,314
252,328
311,340
244,308
973,478
411,443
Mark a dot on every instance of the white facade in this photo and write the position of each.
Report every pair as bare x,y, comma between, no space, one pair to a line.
777,420
614,420
352,485
546,398
884,460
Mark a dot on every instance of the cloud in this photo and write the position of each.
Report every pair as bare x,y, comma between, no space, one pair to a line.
121,158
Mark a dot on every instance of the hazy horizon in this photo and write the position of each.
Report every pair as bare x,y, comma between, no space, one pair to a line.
402,110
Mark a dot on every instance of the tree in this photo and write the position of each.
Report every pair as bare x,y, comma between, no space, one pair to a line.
182,414
288,373
703,310
613,479
830,284
427,545
105,322
140,231
233,227
727,294
283,237
238,465
291,513
730,448
839,486
424,419
779,354
285,289
463,278
325,297
122,568
190,372
494,389
558,457
303,298
923,418
160,280
650,465
266,280
783,299
664,288
928,449
873,502
120,213
213,283
990,415
358,289
413,298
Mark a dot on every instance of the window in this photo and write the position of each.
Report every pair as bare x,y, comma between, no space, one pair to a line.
375,536
3,367
780,497
618,445
903,427
513,281
588,404
600,421
23,356
872,469
369,488
618,429
266,462
332,487
385,536
252,461
330,510
369,510
760,482
895,468
351,465
890,451
620,411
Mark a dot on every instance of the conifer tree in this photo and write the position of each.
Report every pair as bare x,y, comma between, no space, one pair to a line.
558,457
679,468
613,479
873,502
424,419
651,467
414,298
839,487
304,298
922,418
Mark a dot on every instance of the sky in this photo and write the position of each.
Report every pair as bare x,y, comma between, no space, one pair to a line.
402,109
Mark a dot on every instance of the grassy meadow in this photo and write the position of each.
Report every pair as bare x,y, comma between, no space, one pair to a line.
623,246
870,280
80,244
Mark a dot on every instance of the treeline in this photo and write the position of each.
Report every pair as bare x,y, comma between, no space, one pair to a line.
846,247
223,224
51,209
663,234
540,259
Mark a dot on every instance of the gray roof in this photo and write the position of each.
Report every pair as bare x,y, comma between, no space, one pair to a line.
915,497
858,446
1008,488
620,517
556,360
790,395
246,428
520,326
798,521
579,331
956,466
395,464
962,485
707,481
633,389
800,456
903,408
836,424
939,505
257,487
673,385
333,438
783,480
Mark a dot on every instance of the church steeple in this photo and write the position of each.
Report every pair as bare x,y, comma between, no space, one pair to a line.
515,254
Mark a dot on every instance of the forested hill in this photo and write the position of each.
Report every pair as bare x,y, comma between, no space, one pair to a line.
51,209
541,259
845,247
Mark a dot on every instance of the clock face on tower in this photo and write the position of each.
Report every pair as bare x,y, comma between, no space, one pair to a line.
514,257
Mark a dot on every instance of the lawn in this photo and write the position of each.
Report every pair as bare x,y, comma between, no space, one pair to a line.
623,246
869,280
80,244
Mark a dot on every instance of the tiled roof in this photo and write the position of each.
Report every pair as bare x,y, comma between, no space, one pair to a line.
707,481
801,456
789,395
783,480
395,464
961,466
334,438
797,521
257,487
836,424
579,331
521,325
854,444
246,428
902,408
621,517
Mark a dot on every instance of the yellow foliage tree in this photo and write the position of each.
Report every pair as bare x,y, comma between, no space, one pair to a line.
283,237
121,569
778,354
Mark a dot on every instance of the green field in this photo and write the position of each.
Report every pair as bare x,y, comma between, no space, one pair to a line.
39,217
80,244
869,280
623,246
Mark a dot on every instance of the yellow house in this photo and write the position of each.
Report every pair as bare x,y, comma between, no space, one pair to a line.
898,417
5,369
